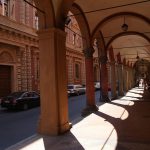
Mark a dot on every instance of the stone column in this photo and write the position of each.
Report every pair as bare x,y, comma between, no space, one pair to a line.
134,77
18,54
23,69
127,79
53,82
104,79
90,90
120,77
113,80
34,69
124,78
28,62
130,78
113,72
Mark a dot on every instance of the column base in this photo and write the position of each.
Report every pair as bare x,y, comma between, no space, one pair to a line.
65,128
88,110
104,98
47,129
121,94
113,98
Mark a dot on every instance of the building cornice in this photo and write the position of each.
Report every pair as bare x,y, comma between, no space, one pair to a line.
11,25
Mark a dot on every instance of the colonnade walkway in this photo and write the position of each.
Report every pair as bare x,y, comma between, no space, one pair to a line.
122,124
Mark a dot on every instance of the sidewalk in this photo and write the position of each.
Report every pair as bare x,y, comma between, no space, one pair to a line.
123,124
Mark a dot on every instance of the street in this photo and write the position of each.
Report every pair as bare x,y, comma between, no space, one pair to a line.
18,125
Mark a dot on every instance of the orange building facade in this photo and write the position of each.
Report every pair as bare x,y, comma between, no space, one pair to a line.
74,53
19,52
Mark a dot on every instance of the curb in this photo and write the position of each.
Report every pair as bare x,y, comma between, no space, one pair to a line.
24,142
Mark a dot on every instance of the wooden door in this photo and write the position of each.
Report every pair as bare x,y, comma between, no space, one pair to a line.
5,80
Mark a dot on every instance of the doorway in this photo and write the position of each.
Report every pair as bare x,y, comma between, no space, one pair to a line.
5,80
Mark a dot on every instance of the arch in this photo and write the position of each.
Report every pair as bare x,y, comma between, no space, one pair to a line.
83,24
113,16
6,57
46,15
101,42
125,34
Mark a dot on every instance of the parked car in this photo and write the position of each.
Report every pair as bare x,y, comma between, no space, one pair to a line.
21,100
76,89
68,92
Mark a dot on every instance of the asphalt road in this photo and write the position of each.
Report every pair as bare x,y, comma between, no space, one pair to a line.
18,125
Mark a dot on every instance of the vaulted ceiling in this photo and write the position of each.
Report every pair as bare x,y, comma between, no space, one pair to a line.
109,16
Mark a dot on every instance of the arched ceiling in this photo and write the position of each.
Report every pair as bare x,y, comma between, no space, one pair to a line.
109,22
130,47
95,17
107,17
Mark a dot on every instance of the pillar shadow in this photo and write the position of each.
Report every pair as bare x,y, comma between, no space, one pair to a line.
133,131
133,97
136,93
66,141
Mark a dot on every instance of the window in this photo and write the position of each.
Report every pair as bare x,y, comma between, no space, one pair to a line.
77,71
37,68
26,95
36,21
6,8
74,39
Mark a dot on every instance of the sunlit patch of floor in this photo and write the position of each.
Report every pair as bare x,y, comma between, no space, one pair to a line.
34,142
126,102
135,90
112,110
36,145
132,96
135,93
94,132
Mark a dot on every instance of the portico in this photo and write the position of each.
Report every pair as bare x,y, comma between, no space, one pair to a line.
104,25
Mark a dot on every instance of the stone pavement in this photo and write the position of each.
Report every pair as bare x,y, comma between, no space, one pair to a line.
122,124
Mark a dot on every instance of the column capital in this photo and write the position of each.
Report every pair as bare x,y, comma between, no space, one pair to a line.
50,33
88,53
103,59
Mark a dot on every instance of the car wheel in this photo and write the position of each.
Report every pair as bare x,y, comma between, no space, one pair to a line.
25,106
